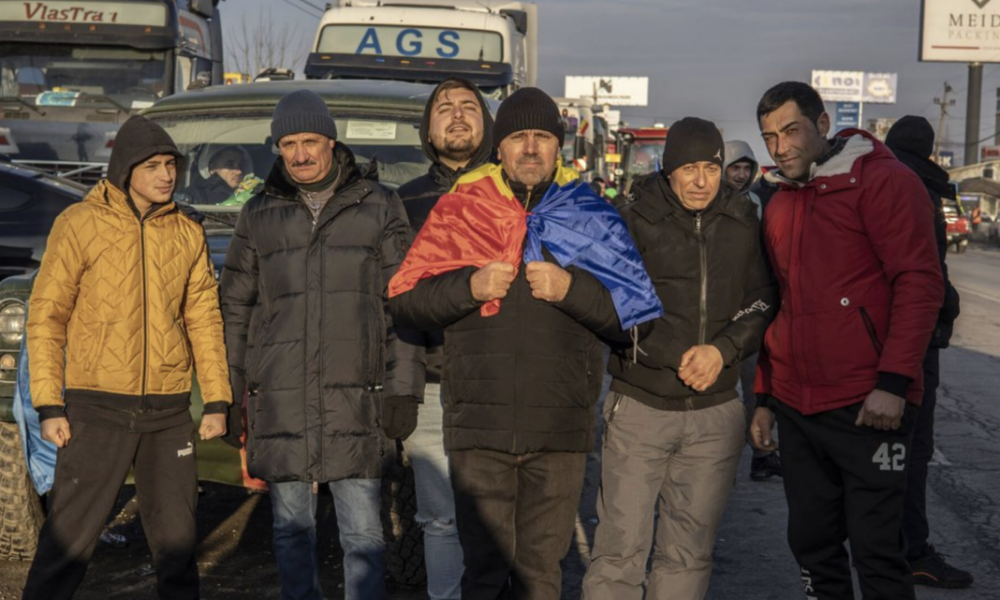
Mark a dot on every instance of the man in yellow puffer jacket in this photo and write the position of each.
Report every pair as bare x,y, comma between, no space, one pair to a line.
124,306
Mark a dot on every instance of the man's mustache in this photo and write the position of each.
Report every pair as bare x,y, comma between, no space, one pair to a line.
306,163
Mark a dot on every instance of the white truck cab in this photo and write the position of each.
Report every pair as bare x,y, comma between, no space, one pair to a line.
493,43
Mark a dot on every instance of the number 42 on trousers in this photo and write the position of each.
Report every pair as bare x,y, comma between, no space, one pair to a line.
890,461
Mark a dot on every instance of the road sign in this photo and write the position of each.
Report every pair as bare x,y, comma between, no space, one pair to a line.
848,116
855,86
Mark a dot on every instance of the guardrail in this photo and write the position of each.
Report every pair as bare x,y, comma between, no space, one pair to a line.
80,172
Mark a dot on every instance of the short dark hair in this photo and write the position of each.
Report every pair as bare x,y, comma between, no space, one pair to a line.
453,83
805,97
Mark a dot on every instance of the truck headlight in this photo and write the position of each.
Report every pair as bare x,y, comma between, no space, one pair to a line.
12,322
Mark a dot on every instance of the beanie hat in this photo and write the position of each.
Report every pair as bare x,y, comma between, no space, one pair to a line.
528,108
692,140
911,134
302,112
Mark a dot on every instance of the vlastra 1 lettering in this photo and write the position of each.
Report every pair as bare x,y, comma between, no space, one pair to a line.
39,11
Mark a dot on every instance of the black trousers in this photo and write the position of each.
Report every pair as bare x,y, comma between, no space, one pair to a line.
516,515
90,471
846,483
915,527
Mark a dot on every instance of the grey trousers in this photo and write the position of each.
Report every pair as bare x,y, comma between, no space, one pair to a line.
680,464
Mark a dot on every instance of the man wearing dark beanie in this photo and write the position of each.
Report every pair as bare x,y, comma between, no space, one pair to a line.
309,339
521,384
674,425
911,139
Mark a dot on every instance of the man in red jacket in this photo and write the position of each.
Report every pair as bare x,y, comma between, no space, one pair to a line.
850,237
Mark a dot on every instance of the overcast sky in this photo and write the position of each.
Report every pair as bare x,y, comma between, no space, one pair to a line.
714,58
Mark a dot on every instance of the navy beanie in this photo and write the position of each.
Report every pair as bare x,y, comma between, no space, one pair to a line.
692,140
528,108
302,112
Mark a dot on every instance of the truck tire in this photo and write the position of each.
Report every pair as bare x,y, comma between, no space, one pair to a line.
404,538
21,513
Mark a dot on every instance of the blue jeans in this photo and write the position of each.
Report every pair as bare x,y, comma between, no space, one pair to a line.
435,500
357,502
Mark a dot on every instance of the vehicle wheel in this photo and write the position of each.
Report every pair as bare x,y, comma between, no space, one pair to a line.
962,247
21,513
404,539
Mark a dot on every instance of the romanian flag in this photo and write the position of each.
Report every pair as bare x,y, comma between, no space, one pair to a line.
480,221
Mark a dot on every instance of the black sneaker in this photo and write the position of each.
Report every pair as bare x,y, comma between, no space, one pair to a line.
765,467
932,570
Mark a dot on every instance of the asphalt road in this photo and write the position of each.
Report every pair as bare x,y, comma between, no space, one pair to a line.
752,558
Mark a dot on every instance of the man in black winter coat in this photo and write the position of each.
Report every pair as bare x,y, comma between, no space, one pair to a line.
674,425
520,386
308,336
457,136
911,139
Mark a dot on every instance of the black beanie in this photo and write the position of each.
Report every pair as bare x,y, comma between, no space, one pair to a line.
303,111
138,140
528,108
692,140
911,134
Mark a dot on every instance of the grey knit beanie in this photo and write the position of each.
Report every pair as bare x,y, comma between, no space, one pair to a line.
528,108
302,112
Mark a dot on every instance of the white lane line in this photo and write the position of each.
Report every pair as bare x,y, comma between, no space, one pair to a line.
939,459
984,296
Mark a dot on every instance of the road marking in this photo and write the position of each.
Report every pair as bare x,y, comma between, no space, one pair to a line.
984,296
939,459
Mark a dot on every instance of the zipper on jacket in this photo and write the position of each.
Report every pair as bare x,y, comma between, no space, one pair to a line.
703,301
145,314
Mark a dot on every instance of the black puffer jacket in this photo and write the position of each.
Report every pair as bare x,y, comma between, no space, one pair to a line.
306,327
421,194
527,379
711,273
935,179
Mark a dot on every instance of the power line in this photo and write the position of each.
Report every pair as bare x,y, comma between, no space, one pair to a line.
310,4
299,8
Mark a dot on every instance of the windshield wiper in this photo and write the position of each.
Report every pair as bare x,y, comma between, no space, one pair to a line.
22,101
107,99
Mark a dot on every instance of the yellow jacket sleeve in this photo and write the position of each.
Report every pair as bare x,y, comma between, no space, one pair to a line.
203,321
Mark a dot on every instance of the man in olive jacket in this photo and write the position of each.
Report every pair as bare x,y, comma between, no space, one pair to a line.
675,427
308,336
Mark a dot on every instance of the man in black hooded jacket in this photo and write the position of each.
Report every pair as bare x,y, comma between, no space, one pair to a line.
912,140
457,136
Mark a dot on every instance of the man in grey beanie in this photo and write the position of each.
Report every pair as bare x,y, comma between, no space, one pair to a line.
311,344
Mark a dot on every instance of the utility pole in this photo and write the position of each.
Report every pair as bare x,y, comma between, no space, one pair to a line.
975,100
944,102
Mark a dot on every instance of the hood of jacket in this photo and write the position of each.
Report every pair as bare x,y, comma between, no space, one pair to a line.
847,148
137,141
440,172
737,151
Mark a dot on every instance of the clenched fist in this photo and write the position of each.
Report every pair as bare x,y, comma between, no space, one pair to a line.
548,281
492,281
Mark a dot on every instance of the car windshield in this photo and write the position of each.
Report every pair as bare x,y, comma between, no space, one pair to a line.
228,156
644,157
74,76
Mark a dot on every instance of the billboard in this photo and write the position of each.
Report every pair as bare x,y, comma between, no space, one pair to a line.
616,91
856,86
960,31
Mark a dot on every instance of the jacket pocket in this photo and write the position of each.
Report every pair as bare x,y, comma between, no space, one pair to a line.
184,343
870,328
839,348
93,354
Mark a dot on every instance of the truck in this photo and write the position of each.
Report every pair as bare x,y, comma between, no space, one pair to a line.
493,43
72,71
641,150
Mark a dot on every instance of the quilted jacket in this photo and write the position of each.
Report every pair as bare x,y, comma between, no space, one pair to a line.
132,302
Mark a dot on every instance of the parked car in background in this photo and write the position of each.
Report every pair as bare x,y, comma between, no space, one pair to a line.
957,226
